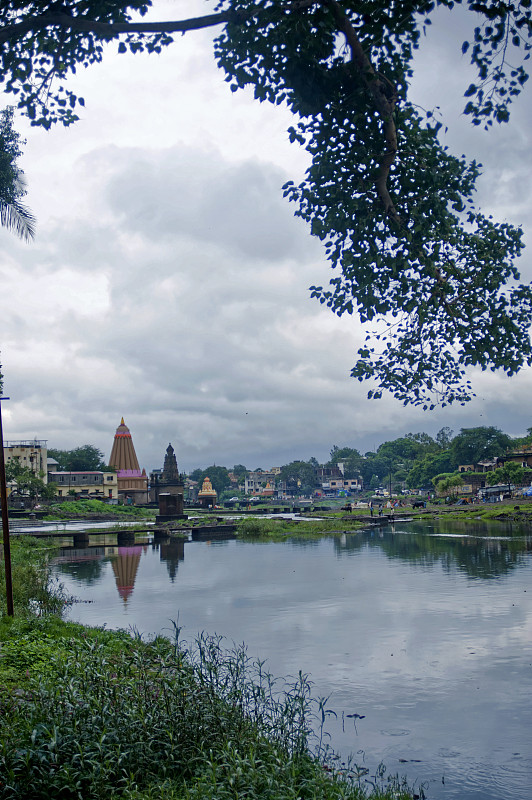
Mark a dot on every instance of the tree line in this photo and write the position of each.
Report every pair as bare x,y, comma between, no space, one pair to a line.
413,460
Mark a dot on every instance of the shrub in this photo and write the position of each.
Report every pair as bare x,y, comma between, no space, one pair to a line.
141,721
33,588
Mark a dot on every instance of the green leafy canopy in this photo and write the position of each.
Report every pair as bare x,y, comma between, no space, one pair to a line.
432,276
13,214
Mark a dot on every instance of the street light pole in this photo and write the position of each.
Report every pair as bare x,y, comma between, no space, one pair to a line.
5,520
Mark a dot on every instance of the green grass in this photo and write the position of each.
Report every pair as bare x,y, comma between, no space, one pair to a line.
33,589
81,508
279,528
99,714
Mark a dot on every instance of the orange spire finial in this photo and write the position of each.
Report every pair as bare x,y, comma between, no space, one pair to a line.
122,421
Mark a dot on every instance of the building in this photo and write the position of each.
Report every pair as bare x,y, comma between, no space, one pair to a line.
481,466
167,480
256,482
30,453
349,485
207,496
132,482
324,474
90,484
521,456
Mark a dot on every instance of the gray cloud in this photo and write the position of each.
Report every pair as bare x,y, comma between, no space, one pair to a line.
169,280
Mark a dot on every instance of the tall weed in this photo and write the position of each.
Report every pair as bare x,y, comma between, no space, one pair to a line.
141,721
34,590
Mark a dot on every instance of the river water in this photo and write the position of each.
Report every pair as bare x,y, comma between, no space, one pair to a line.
424,632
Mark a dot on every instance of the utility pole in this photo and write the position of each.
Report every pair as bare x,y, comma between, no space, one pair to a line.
5,520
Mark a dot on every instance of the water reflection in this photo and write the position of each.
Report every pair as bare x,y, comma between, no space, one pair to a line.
82,564
488,557
427,639
125,564
86,565
171,553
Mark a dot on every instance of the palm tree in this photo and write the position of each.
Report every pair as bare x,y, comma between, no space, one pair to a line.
17,218
13,214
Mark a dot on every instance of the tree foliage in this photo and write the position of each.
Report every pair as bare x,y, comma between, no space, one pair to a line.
27,483
449,483
425,469
86,458
299,476
434,278
510,472
218,476
13,214
349,457
472,445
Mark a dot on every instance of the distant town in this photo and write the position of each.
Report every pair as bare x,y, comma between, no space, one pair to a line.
476,461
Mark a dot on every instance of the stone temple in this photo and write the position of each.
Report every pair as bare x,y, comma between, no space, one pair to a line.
167,489
132,483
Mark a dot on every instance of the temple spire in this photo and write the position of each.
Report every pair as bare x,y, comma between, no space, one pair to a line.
123,455
132,482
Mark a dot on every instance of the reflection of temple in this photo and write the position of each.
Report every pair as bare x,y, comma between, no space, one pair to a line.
207,495
172,552
132,483
125,566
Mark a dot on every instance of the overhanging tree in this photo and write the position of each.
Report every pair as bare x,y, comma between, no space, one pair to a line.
413,255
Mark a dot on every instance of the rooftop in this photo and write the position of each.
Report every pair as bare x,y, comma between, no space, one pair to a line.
27,443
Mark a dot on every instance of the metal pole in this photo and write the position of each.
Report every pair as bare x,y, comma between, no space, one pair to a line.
5,520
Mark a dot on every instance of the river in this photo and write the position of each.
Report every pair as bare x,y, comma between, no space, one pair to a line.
424,632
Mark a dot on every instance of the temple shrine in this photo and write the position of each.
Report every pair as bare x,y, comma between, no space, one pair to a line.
207,496
132,482
168,479
167,489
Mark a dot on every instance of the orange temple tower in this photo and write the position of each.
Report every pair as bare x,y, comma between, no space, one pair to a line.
132,483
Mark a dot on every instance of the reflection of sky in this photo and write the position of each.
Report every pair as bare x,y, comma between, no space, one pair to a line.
438,663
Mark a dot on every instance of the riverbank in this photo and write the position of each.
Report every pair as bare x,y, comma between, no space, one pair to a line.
88,712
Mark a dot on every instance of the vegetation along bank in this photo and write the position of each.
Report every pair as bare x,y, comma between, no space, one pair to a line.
91,713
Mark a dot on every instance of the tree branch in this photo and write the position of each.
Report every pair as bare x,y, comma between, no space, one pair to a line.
111,29
384,97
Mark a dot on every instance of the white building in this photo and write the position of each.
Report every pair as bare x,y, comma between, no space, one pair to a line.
30,453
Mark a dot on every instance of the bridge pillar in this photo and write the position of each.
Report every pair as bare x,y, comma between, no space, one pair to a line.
123,538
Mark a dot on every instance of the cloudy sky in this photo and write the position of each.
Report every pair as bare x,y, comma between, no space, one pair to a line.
168,282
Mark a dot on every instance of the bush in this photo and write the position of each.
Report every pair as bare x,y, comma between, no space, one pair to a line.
113,717
33,588
253,526
81,508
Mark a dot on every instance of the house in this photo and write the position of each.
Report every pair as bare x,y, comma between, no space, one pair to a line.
521,456
480,466
256,482
91,484
349,485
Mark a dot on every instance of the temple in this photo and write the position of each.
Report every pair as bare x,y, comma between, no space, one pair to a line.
167,489
168,479
132,483
207,495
